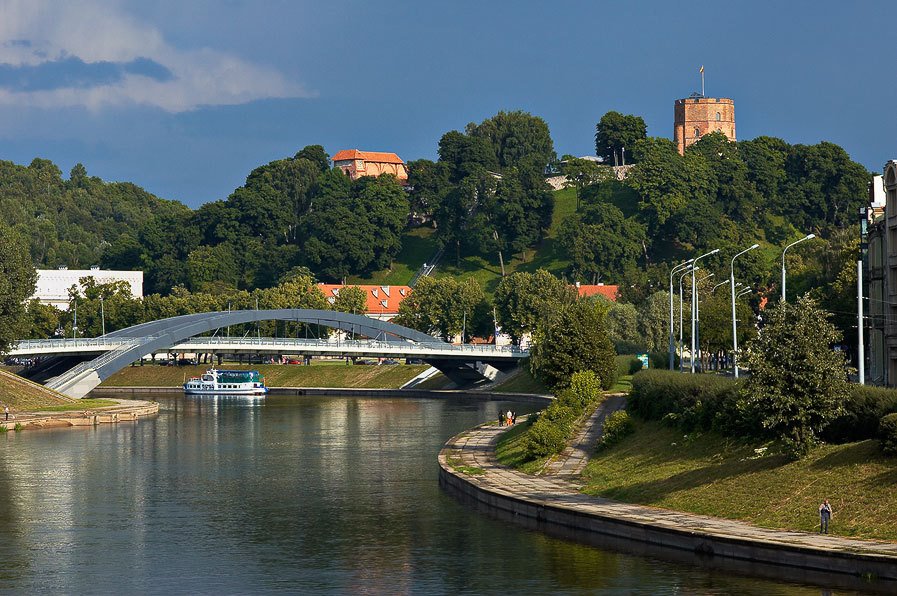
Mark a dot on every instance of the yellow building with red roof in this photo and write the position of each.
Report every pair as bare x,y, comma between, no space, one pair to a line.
355,164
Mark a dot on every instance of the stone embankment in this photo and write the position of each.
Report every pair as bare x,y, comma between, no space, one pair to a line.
126,411
554,504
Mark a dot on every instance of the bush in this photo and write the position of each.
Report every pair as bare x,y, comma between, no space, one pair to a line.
887,434
585,387
627,365
617,426
545,438
692,402
864,408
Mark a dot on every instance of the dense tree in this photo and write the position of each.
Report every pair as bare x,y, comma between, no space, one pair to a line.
524,300
572,340
601,242
351,299
443,306
616,132
517,139
622,328
798,382
17,277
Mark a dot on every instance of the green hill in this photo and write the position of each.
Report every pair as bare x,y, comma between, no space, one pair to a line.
419,245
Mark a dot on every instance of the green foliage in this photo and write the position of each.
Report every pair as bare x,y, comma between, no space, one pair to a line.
601,242
863,409
573,339
691,402
616,132
623,328
17,279
442,305
797,382
516,138
523,300
351,299
617,426
627,365
887,434
585,388
545,438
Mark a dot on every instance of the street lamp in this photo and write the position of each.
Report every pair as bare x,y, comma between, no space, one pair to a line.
693,304
807,237
103,315
698,311
734,324
673,271
722,283
744,292
681,301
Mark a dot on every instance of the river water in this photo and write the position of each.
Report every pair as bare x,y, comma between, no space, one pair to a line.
291,494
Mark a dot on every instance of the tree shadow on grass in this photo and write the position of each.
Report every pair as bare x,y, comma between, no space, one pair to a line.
861,452
655,490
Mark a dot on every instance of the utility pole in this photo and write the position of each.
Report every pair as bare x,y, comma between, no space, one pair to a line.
861,356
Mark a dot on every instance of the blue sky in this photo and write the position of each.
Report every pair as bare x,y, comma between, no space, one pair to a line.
185,97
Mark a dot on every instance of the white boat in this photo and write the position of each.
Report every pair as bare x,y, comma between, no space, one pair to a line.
226,382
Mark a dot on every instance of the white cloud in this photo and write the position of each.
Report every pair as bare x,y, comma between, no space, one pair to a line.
36,31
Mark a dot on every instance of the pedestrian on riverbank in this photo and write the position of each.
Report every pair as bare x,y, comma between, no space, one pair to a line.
6,411
513,417
501,418
825,514
509,416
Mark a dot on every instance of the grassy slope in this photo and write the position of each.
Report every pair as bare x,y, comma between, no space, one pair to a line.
522,382
317,375
22,395
419,245
716,476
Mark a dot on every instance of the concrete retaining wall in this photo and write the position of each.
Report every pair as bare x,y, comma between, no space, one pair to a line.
866,573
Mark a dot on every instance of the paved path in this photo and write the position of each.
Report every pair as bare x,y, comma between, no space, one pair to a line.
572,460
476,448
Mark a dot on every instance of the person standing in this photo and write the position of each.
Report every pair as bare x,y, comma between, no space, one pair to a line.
825,514
501,418
6,411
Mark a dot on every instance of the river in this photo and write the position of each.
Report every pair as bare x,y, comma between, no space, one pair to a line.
288,494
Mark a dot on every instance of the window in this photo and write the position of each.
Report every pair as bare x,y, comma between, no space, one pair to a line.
718,117
697,132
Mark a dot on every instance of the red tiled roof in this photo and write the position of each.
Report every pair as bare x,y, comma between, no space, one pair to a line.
609,292
372,156
381,300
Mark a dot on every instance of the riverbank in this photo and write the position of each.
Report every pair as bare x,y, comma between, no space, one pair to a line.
713,475
333,374
469,470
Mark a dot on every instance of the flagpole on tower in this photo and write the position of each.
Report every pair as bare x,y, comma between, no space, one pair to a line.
702,80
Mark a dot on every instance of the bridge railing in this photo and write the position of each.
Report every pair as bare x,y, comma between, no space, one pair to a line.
354,344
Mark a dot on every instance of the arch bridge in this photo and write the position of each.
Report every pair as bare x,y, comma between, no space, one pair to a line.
464,364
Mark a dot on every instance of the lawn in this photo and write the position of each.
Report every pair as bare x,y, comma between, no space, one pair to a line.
522,382
713,475
325,374
81,404
22,395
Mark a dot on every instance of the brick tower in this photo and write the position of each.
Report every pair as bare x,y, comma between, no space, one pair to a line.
697,115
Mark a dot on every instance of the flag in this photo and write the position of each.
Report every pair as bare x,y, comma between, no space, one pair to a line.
702,69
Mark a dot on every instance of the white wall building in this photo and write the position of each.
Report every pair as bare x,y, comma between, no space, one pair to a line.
53,284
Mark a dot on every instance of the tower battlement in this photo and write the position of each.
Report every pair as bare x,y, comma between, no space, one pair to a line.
695,116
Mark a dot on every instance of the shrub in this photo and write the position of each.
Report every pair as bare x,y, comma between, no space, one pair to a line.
887,434
545,438
4,428
585,387
863,410
616,426
627,365
693,402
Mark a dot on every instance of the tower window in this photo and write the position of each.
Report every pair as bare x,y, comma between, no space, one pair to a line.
697,132
718,117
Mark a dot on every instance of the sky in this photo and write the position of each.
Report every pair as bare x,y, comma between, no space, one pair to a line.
186,97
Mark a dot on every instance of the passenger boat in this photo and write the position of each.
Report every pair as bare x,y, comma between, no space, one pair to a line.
226,382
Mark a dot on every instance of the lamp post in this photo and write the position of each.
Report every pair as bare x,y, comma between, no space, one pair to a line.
698,313
693,305
722,283
734,324
807,237
103,315
744,292
681,301
672,272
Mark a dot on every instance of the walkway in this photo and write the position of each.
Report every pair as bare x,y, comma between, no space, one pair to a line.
533,495
572,460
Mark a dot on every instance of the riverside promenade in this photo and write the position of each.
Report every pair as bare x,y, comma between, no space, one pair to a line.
552,502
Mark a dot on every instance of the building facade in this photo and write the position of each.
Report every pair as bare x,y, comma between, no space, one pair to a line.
382,301
890,270
695,116
355,164
53,284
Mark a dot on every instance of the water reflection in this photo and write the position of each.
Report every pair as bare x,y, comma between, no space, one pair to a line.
286,494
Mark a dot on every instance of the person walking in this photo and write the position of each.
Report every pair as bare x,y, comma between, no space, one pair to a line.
509,416
825,514
501,418
6,411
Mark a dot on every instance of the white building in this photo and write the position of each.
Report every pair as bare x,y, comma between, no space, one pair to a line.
53,284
